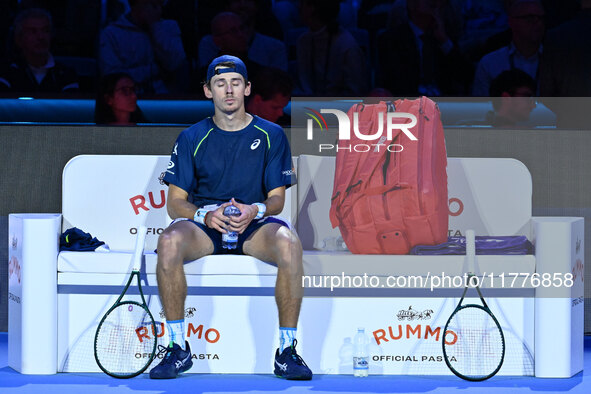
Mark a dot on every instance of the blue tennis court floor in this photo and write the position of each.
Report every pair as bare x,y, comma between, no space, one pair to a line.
90,383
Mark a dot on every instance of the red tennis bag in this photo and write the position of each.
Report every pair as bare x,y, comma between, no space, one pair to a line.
390,195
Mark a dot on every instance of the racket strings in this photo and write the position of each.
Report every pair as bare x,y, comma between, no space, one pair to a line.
474,343
518,357
125,341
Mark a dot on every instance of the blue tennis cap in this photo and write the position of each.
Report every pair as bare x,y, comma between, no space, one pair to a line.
238,67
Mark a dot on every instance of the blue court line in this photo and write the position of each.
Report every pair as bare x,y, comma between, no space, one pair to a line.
153,290
308,292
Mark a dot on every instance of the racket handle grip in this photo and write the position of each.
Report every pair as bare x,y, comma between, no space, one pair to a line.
139,247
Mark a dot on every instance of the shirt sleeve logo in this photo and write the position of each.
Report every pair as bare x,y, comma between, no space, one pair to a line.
170,167
174,151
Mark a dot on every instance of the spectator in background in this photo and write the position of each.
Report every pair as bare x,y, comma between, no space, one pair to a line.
257,15
206,10
34,68
565,70
75,24
116,101
449,12
184,12
526,20
556,12
418,57
512,93
486,28
286,12
566,64
231,36
329,60
147,47
270,94
373,14
114,10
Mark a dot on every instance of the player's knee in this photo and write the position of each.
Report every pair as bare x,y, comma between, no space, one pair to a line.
289,247
170,242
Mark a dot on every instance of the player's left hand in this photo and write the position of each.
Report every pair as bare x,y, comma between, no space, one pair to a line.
247,214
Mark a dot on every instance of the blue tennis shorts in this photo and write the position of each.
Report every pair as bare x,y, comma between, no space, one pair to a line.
216,236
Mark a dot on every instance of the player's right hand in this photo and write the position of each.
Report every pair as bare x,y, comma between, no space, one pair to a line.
217,220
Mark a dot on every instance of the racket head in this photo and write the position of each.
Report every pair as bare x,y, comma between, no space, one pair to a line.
473,343
125,340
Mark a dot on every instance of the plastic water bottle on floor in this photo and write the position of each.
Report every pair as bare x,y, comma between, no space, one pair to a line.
345,356
230,239
360,353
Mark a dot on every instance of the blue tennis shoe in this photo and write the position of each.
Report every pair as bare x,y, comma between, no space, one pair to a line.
289,365
175,361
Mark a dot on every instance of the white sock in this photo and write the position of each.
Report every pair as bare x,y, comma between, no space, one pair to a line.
286,337
176,332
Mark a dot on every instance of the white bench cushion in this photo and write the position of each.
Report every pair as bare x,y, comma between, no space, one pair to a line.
315,263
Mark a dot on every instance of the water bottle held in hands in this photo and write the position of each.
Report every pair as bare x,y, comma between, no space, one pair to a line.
230,239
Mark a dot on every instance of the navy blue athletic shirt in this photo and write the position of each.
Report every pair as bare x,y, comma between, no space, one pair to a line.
214,165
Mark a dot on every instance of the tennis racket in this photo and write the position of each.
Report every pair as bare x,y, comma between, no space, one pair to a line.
473,341
125,340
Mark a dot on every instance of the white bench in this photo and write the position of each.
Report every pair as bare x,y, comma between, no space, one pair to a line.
231,312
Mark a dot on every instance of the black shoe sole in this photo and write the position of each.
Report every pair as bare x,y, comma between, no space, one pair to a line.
294,377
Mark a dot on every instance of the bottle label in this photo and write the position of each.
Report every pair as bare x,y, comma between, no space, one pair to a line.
231,236
360,363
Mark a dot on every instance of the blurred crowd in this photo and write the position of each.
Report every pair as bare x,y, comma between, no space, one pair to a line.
118,50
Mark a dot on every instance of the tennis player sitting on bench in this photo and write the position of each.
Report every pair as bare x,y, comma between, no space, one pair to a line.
237,159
